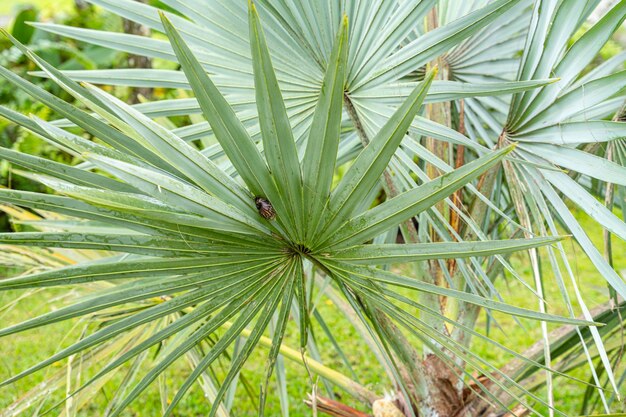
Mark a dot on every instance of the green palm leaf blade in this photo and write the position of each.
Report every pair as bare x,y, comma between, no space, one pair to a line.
397,253
62,171
574,133
149,78
577,194
580,99
138,45
364,313
221,221
565,20
609,274
133,268
303,305
213,279
96,127
171,190
408,204
574,61
129,243
183,327
556,105
382,276
230,49
271,304
90,124
216,35
441,91
178,153
71,207
570,340
530,362
604,69
378,39
101,104
229,131
436,339
77,145
279,333
79,209
253,304
374,296
318,165
168,307
535,39
298,22
431,45
278,141
369,166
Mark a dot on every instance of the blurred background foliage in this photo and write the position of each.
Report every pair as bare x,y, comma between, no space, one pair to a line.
64,54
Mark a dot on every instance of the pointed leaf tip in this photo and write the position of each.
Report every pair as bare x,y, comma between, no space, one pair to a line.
164,19
253,14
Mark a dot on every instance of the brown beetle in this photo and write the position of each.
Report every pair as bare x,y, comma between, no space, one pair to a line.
265,208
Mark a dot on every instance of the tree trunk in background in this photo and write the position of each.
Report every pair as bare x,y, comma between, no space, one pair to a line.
137,61
81,5
445,390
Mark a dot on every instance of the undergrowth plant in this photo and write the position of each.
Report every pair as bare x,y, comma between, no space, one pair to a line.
388,156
